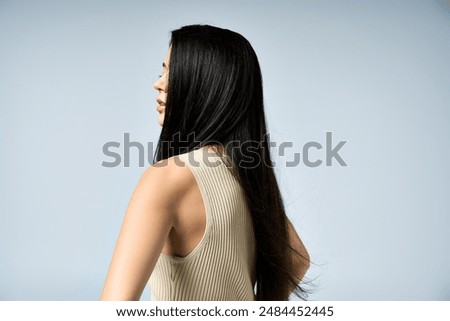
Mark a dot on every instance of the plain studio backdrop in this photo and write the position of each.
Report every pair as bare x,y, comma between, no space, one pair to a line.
75,75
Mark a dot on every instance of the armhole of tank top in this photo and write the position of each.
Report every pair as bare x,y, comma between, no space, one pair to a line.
208,219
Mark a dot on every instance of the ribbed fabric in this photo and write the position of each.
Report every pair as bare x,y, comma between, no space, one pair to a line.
221,267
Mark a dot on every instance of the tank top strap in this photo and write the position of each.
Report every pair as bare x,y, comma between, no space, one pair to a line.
201,157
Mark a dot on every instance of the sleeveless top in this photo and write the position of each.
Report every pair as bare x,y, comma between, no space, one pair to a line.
222,265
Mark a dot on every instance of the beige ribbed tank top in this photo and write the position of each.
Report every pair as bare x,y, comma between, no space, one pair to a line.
221,267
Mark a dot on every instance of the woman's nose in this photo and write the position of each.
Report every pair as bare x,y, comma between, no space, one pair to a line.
160,84
156,85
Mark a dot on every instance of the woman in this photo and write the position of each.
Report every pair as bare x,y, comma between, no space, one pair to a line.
207,221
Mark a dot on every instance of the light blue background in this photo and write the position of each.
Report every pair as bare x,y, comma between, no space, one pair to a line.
77,74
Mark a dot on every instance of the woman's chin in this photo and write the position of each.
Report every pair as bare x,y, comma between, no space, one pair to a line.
161,119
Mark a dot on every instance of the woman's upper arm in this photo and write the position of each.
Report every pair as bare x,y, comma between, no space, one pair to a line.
148,220
295,241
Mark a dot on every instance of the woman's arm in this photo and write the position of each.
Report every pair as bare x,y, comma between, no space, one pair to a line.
148,220
301,265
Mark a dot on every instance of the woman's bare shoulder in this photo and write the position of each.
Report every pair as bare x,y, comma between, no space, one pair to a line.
169,175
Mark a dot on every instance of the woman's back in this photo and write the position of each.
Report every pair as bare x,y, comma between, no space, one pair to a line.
222,265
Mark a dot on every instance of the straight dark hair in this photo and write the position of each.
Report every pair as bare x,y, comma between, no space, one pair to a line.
215,96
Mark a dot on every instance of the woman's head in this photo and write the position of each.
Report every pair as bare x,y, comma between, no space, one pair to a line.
211,88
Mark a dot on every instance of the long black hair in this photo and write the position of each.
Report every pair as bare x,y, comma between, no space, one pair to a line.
215,97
